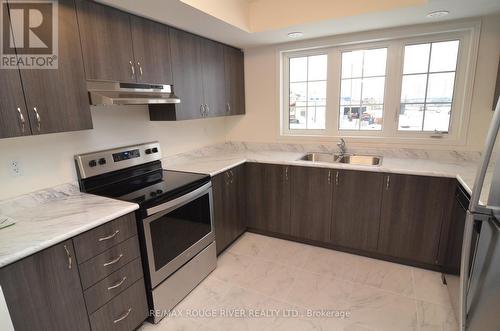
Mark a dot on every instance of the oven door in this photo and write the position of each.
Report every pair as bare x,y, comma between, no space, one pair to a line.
177,230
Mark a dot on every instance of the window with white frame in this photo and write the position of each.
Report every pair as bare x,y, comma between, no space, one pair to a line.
405,89
427,86
362,89
307,86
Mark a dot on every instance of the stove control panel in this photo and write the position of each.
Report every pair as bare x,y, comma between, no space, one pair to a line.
98,163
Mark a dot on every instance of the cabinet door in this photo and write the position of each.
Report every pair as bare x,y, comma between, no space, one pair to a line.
268,197
212,55
106,42
311,203
412,212
356,209
43,291
229,203
235,81
14,119
187,72
151,42
57,99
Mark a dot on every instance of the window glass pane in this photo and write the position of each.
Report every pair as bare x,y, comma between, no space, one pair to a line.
316,118
416,58
440,87
374,62
298,118
371,117
437,117
444,56
298,69
373,90
350,92
349,118
413,89
317,67
411,117
298,94
352,64
316,93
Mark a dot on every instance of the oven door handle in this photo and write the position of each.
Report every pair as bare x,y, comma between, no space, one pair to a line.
178,201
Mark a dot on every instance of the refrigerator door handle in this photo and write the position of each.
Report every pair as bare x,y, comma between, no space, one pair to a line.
485,160
464,269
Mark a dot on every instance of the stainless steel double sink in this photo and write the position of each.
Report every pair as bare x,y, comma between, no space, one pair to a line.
368,160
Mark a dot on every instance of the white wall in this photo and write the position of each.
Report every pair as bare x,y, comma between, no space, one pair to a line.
262,121
47,160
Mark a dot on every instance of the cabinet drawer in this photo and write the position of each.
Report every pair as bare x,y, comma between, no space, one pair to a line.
125,312
108,262
96,241
114,284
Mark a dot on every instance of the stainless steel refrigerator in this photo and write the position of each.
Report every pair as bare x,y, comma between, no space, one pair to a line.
479,305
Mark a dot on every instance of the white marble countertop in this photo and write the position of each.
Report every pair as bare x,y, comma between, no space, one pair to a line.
48,217
216,162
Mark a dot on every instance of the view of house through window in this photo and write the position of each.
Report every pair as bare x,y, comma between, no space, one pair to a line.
362,89
427,86
307,84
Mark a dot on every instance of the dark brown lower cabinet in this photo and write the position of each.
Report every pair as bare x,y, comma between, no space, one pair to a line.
43,291
268,197
311,203
356,209
229,213
412,213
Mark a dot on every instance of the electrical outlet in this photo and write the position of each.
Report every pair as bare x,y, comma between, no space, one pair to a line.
15,169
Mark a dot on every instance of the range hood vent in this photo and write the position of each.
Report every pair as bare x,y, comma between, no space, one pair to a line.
103,93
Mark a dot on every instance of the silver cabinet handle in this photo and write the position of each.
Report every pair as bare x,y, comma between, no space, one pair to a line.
228,108
388,182
113,261
124,316
132,68
286,174
228,175
329,176
21,119
70,260
202,110
118,284
337,178
208,108
38,119
232,176
111,236
140,68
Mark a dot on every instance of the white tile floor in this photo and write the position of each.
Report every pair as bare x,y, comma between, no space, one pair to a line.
284,279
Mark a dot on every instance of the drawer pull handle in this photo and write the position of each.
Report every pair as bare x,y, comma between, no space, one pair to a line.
70,260
118,284
111,236
124,316
113,261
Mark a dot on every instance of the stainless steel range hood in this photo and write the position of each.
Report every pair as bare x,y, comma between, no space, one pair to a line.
103,93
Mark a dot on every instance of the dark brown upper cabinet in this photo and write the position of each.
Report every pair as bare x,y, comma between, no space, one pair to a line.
55,100
235,81
268,197
356,209
229,203
151,41
43,291
214,86
188,74
14,119
311,203
106,42
413,210
121,47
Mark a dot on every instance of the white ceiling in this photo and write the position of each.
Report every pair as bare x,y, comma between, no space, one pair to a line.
181,15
